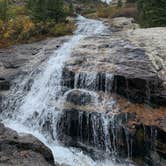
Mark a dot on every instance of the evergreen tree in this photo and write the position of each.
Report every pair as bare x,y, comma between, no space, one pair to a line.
119,3
152,12
55,10
131,1
3,9
71,9
38,9
47,9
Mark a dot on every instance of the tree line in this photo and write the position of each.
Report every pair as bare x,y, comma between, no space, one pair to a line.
151,13
39,9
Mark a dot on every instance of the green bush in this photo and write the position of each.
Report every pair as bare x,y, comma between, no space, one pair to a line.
15,11
62,29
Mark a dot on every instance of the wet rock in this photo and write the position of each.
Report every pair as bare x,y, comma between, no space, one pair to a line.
67,78
97,134
139,90
148,143
22,150
18,61
89,130
79,97
4,84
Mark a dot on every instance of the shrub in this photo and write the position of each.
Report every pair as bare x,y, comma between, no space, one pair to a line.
62,29
111,12
20,28
15,11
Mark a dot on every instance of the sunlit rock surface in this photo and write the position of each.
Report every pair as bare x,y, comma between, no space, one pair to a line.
134,75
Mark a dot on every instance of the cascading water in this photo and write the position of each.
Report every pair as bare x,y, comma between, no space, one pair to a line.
36,110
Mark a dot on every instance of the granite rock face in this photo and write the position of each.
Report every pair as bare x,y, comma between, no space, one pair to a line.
20,60
16,63
133,74
114,65
22,150
101,135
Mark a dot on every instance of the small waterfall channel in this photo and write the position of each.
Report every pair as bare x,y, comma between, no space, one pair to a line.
36,111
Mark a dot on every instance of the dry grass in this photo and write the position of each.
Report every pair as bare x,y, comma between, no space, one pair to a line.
112,12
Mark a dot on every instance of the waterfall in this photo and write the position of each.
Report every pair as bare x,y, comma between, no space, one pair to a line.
36,109
94,81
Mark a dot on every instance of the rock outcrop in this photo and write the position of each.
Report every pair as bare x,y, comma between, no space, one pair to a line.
17,63
120,69
22,150
118,128
20,60
134,75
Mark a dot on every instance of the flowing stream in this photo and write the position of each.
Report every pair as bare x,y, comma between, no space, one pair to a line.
32,111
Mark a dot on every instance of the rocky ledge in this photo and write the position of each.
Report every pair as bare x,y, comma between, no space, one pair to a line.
117,94
135,75
22,150
23,59
108,124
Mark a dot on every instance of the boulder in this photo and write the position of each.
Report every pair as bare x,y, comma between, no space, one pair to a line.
22,150
79,97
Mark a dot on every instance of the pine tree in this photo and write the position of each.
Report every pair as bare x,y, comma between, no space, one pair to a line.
55,10
119,3
38,9
3,9
71,9
47,9
152,12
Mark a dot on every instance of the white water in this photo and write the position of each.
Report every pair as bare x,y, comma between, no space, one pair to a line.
107,1
35,113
